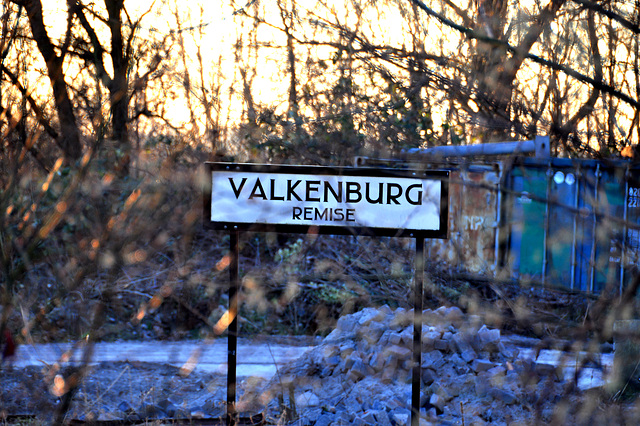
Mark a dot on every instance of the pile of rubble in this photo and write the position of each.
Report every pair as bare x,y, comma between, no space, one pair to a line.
361,374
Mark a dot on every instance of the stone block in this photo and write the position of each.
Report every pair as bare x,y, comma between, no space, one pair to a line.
460,344
388,375
456,360
481,384
480,365
333,361
428,376
335,335
453,314
359,421
497,378
504,396
346,349
390,362
441,345
509,353
498,370
400,416
487,339
367,315
433,359
329,351
456,387
424,399
429,336
468,355
382,418
401,319
347,323
442,391
377,361
372,333
351,360
548,370
399,352
126,408
352,406
395,339
325,419
437,401
384,339
386,310
307,399
313,414
169,408
358,371
407,336
369,416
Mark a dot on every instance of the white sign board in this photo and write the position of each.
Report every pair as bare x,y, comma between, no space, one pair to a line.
331,200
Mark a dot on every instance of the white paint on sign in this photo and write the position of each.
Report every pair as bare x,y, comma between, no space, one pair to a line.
326,200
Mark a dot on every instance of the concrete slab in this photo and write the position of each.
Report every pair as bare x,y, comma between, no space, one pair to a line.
254,359
594,374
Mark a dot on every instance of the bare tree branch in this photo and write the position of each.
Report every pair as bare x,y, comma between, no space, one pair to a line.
472,34
69,137
609,14
98,50
32,102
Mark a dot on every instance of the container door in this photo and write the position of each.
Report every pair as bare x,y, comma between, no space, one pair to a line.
527,222
560,245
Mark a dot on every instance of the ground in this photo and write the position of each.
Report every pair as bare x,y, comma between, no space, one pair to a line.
357,374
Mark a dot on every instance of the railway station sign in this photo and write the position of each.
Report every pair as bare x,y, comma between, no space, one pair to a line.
329,200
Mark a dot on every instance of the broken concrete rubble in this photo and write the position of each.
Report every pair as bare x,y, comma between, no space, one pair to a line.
361,373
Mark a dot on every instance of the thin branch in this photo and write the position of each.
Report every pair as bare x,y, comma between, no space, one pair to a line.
34,106
68,36
6,42
134,29
634,28
98,50
147,113
472,34
587,107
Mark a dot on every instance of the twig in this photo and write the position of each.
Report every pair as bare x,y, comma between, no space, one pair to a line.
99,398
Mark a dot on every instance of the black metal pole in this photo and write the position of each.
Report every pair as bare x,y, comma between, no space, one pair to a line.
232,342
417,331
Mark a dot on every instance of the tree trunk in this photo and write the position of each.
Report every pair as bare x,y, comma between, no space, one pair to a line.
118,86
69,137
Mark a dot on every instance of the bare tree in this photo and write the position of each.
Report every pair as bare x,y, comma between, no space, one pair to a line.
492,70
69,135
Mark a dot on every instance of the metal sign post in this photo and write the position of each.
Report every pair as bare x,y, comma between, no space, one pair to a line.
232,334
325,200
418,277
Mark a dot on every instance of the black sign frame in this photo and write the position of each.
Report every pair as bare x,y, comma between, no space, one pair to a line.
442,175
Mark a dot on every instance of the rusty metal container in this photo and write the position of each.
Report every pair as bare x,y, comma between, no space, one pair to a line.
553,221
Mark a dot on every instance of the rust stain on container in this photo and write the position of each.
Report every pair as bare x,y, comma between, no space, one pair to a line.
472,220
